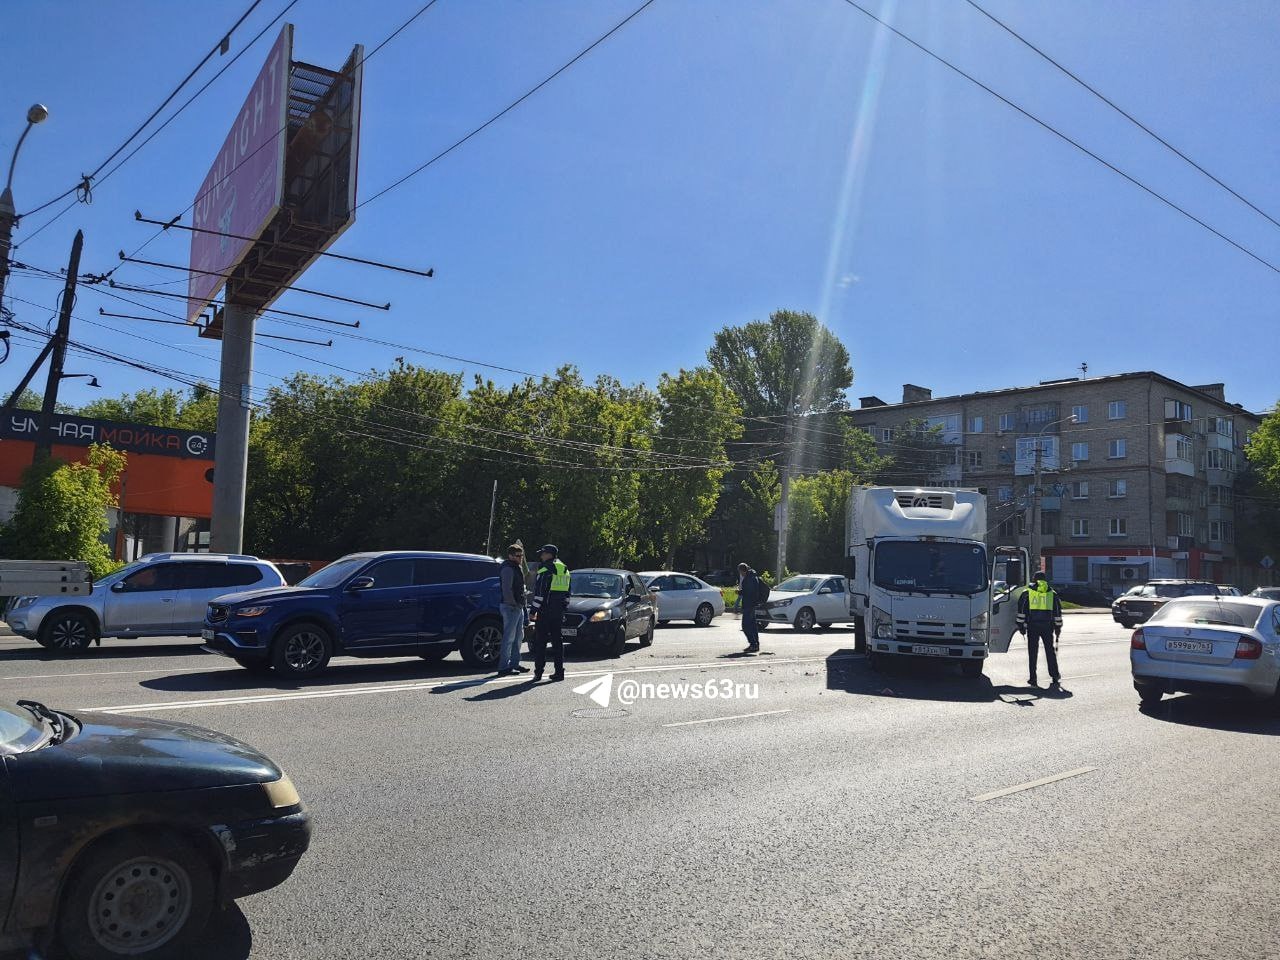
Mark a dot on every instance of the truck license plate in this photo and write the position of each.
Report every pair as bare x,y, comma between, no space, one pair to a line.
1189,646
206,634
921,649
568,631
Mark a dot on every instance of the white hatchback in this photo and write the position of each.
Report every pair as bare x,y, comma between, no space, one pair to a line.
682,596
810,600
1223,646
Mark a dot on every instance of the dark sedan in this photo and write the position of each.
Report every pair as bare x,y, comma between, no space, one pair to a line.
1142,601
606,609
118,835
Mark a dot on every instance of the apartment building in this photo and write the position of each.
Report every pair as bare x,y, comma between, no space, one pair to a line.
1138,470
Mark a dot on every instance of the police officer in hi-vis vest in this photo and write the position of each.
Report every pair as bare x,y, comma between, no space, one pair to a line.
1040,618
550,595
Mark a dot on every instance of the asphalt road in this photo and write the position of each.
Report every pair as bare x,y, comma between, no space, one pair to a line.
838,812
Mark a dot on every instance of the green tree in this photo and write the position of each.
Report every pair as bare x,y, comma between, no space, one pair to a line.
62,510
918,453
1263,452
195,409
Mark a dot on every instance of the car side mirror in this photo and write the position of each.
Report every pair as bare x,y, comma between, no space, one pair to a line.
360,583
655,589
825,590
118,587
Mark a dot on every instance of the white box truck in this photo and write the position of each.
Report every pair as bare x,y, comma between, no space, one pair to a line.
922,581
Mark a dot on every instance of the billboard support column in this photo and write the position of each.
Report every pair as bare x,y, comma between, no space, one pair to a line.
231,457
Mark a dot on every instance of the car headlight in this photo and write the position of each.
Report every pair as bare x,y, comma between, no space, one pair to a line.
774,604
605,614
251,611
281,793
979,626
23,602
881,624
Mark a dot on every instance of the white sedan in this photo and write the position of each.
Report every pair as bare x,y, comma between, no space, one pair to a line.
1224,646
681,596
810,599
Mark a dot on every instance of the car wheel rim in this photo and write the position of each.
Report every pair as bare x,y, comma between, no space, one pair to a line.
805,620
304,651
69,634
487,643
140,905
704,615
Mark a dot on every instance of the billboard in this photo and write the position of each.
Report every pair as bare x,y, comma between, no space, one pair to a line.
243,190
129,437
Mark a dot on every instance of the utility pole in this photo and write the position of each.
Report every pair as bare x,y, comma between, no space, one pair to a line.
1035,507
231,457
493,507
38,113
58,354
784,503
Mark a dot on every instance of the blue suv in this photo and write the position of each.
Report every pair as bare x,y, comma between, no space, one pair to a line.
389,604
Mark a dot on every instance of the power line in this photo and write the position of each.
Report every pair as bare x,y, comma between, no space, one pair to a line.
1120,110
1064,137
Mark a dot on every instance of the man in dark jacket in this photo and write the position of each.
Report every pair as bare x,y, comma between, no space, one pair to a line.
550,596
514,615
750,593
1040,618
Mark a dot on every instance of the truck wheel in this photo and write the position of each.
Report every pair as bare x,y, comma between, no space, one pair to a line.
482,644
137,895
805,620
971,668
302,650
68,631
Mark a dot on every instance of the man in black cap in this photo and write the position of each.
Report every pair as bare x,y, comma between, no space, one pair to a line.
1040,618
750,595
550,595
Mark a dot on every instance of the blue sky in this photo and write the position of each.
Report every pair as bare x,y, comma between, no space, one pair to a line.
712,162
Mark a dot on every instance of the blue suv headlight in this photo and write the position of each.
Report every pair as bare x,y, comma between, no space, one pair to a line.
250,611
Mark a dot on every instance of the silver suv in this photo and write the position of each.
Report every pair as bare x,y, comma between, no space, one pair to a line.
160,595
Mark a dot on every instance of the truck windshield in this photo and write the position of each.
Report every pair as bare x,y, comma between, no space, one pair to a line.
930,567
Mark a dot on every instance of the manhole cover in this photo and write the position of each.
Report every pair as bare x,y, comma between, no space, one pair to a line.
600,713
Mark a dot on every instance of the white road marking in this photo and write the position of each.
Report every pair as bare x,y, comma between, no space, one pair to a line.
430,684
737,716
996,794
1082,676
103,673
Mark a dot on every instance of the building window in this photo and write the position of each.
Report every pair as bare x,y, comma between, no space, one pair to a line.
1080,490
974,459
1219,425
947,424
976,424
1177,410
1049,523
1046,413
1117,410
886,434
1080,527
1081,413
1116,450
1220,460
1186,525
1219,495
1117,489
1006,421
1004,495
1119,527
1079,451
1080,569
1221,531
1182,448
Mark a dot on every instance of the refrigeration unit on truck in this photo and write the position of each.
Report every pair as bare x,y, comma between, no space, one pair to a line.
922,578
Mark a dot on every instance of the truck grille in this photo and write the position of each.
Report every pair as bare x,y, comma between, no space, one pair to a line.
930,630
217,612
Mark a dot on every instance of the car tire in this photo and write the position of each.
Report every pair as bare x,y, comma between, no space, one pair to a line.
1148,695
302,650
1125,624
253,666
68,631
618,642
150,885
435,654
646,638
972,668
805,621
706,613
482,643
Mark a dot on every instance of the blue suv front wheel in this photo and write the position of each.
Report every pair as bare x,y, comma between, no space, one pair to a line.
301,650
482,643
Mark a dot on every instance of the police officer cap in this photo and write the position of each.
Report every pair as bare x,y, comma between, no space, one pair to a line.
549,548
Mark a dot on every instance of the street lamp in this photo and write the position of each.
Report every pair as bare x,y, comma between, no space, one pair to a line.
37,113
93,380
1035,493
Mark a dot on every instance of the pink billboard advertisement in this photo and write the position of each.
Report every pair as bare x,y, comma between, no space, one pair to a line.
244,187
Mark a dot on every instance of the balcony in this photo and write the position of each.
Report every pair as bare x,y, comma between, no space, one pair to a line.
1219,512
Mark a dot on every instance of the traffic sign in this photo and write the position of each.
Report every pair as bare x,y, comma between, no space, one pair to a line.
1266,562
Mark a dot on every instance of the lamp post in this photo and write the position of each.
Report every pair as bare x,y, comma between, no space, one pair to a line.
38,113
1035,492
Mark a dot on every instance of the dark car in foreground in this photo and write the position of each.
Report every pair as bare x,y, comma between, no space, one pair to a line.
606,609
119,835
388,604
1142,601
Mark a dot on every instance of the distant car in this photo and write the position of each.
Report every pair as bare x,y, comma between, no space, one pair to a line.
1082,594
121,834
1142,601
810,600
387,604
606,609
159,595
720,578
1267,593
681,596
1222,646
